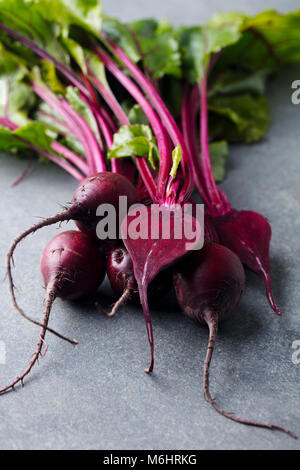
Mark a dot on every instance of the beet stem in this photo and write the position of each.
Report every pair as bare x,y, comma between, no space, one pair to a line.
65,215
49,299
23,175
212,322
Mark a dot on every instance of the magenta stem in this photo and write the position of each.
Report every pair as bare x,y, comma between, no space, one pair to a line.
165,115
96,158
5,122
210,183
23,175
71,157
141,164
56,147
60,162
188,121
102,123
63,129
108,136
158,129
44,55
77,124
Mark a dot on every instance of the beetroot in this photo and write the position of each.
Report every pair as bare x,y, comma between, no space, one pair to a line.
72,266
120,273
151,255
208,286
104,187
248,234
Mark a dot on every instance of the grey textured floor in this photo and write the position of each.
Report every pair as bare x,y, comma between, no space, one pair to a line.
96,395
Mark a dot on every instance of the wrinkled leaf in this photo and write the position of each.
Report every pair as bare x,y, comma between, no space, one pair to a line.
268,41
25,17
136,115
231,82
135,140
198,43
120,34
48,73
84,13
158,47
81,107
239,118
218,155
34,133
16,97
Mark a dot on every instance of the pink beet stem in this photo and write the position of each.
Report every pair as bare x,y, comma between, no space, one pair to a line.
188,124
206,163
123,119
158,129
58,161
165,115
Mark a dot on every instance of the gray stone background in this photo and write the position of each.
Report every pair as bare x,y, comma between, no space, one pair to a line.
96,395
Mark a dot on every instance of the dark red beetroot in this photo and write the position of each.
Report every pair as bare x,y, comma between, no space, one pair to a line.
102,188
151,255
208,286
119,269
120,272
248,234
72,266
210,233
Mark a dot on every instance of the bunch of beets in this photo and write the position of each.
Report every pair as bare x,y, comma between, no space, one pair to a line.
208,282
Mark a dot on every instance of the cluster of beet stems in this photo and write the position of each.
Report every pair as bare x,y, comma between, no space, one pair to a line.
208,283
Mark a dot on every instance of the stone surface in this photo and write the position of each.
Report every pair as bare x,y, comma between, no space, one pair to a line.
96,395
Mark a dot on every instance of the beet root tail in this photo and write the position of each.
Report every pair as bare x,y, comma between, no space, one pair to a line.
269,292
211,320
65,215
144,302
122,300
49,299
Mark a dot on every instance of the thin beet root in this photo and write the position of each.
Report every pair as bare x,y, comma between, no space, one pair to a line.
208,285
212,323
9,258
72,266
89,195
120,273
121,301
50,297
